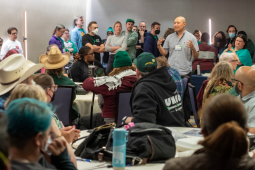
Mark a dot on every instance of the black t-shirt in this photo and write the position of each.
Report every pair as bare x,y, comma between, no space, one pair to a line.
139,51
93,40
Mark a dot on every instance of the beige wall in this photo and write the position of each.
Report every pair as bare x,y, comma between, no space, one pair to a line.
42,18
197,13
44,15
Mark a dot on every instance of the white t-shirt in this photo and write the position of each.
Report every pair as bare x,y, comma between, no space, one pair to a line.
8,45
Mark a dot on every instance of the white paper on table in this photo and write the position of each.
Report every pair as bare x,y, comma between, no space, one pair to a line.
186,144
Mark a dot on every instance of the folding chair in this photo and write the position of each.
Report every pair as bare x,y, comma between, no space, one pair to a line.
193,100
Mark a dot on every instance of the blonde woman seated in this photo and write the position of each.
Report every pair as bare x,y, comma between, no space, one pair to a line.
220,80
48,85
36,92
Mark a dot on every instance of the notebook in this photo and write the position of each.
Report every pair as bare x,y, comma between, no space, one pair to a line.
186,144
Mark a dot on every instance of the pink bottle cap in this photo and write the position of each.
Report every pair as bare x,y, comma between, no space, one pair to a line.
132,124
126,127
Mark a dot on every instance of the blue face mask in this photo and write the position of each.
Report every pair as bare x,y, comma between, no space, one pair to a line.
231,35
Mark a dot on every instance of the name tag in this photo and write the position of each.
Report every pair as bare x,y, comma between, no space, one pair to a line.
97,40
178,47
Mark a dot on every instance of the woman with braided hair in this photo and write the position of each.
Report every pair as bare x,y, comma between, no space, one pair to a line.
79,70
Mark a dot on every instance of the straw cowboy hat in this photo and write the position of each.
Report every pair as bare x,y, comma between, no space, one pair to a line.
55,59
14,70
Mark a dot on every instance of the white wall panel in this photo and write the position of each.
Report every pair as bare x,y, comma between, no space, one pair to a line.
42,18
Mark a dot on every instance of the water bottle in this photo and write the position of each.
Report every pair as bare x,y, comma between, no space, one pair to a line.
198,69
119,149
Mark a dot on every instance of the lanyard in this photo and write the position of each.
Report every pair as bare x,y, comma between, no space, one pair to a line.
62,42
155,37
93,39
57,121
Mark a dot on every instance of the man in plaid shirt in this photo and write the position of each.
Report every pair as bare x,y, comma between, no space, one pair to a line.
162,61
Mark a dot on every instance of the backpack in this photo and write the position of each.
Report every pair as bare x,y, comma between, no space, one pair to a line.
147,142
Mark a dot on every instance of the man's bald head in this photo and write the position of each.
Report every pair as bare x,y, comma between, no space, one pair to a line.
246,75
181,18
179,24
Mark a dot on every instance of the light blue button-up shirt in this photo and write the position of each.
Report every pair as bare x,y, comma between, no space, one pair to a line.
249,103
76,37
182,59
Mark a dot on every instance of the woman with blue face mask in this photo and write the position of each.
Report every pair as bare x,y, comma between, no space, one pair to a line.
231,31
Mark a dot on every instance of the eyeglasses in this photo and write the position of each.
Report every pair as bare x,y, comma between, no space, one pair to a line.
234,61
234,80
91,54
55,87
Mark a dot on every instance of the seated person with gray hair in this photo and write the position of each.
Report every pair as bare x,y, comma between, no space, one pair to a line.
50,47
154,97
231,58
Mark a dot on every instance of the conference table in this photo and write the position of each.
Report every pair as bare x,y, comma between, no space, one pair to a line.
82,165
83,104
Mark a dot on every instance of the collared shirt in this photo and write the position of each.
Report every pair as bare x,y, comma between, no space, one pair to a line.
131,43
3,99
58,41
249,103
181,59
177,79
76,37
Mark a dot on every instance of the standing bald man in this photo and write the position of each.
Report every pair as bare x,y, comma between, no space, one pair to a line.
245,87
182,48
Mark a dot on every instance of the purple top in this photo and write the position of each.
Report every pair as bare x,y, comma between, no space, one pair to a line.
57,41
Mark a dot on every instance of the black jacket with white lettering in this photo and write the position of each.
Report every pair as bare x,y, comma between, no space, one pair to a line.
155,99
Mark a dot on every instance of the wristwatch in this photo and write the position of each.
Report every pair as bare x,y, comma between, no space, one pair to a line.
124,119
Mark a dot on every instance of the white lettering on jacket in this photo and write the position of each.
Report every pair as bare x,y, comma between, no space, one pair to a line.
174,102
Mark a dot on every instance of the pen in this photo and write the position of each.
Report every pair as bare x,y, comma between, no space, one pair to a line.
84,160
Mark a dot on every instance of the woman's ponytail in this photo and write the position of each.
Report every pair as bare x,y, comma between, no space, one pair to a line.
229,140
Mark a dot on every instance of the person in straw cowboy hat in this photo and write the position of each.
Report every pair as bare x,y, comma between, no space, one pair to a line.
54,64
15,70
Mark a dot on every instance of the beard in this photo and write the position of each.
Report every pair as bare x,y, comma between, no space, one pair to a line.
237,90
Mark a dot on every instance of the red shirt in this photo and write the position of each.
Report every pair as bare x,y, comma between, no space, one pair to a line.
201,94
110,97
205,64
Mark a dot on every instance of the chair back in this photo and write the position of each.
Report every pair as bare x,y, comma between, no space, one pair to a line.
208,55
185,81
63,102
91,111
193,100
123,106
